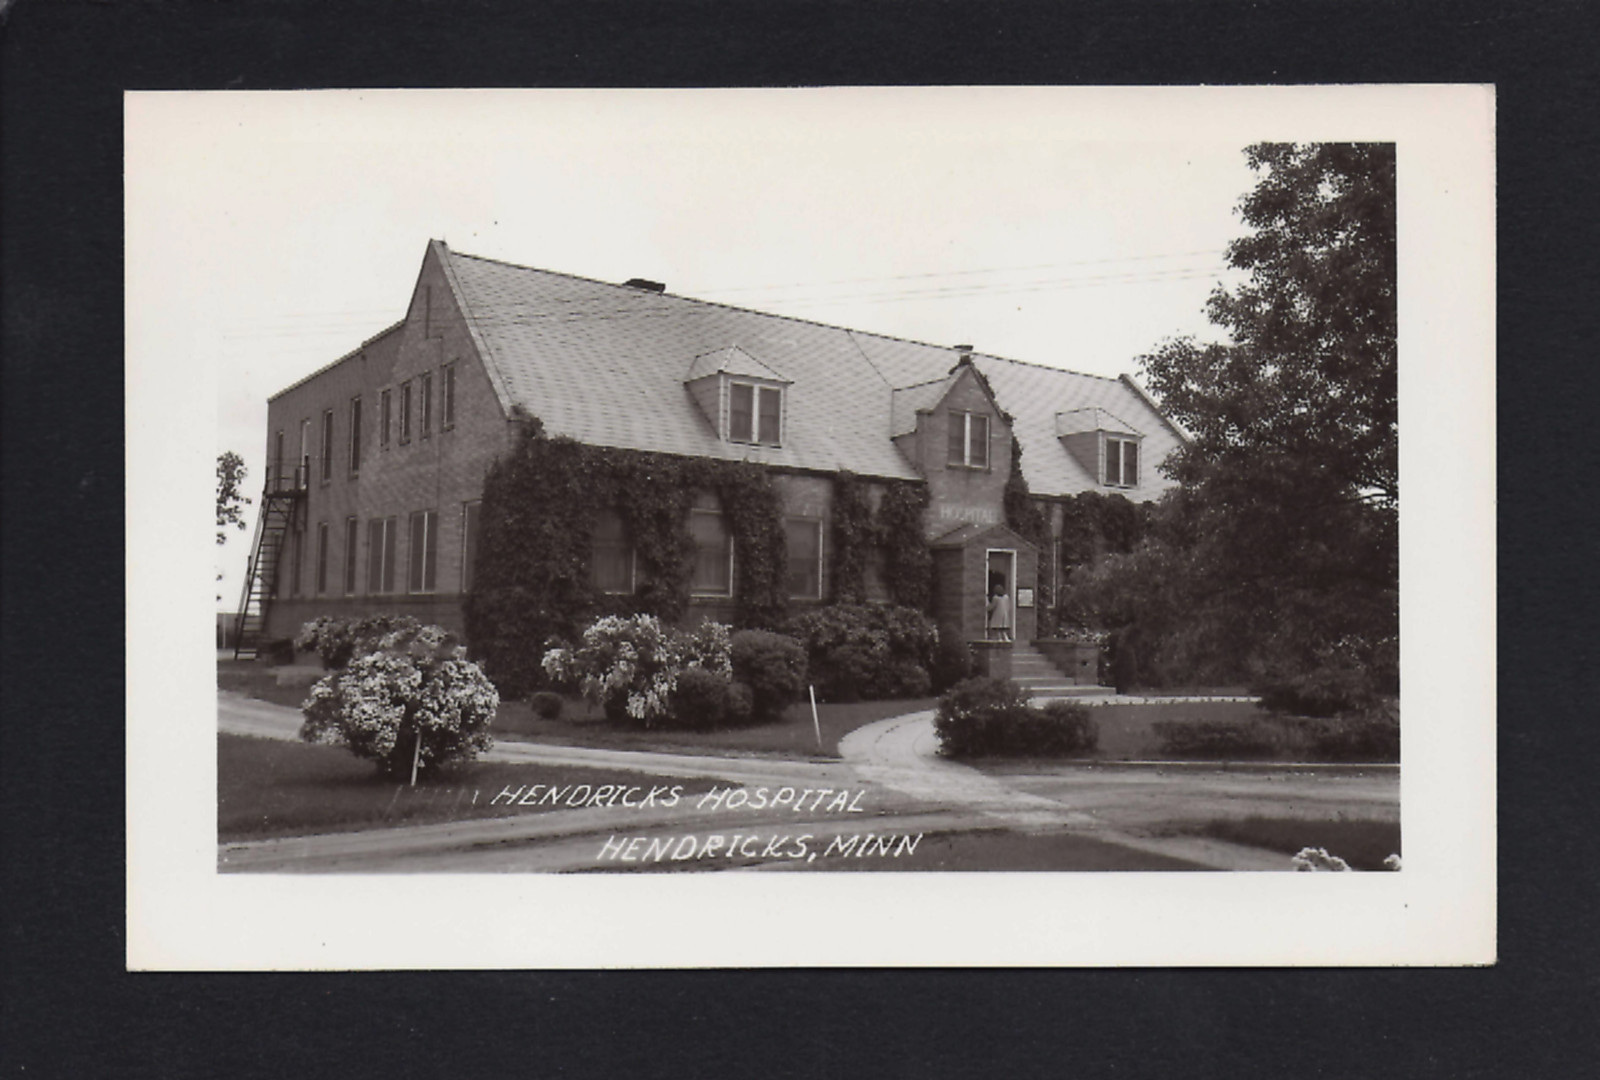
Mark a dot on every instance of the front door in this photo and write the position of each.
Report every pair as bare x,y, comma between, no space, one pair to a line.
1000,581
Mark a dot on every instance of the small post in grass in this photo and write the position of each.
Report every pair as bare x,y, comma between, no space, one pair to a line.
814,721
416,756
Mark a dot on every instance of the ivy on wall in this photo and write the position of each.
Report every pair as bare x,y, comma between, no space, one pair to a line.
908,569
540,507
853,534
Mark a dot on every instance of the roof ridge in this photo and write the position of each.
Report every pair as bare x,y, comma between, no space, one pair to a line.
777,315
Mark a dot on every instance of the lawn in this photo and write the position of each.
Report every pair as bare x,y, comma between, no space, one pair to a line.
1126,733
1362,844
267,788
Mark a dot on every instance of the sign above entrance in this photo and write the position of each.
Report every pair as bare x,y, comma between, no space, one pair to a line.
978,515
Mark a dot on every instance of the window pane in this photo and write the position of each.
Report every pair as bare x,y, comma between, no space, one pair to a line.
405,412
979,455
355,435
427,404
352,536
414,553
327,445
770,404
1130,463
1113,461
805,557
391,535
385,409
712,573
322,557
374,557
449,395
430,552
611,562
958,438
741,406
469,545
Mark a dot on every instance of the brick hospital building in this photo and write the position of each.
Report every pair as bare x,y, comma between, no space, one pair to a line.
376,462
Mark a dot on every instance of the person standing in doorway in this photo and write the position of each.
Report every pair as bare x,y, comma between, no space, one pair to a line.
1000,613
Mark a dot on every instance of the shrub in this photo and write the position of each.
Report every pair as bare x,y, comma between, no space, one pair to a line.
630,666
773,666
1325,691
700,700
547,705
1219,738
1369,736
415,696
741,703
336,641
981,716
854,651
906,679
952,661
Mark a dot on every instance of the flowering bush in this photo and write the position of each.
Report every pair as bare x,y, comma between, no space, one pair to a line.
336,641
415,697
980,716
630,666
1315,859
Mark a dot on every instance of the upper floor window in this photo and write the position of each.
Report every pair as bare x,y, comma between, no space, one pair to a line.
755,413
447,406
427,403
327,445
355,435
804,536
385,416
611,560
969,440
713,554
352,544
405,412
1122,462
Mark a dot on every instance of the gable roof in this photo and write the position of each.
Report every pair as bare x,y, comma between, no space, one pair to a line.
1078,421
606,364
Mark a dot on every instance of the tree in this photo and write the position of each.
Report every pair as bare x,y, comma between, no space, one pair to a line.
231,500
1278,555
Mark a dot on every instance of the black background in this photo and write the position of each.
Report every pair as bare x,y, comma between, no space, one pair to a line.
69,1008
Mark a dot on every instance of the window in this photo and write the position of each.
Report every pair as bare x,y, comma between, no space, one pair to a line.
969,440
355,436
352,541
380,555
427,404
448,405
277,459
755,413
327,445
611,560
805,557
713,555
385,413
424,551
299,542
405,413
469,543
322,557
303,474
1122,462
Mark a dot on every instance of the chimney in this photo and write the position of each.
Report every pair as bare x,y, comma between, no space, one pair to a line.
645,284
966,353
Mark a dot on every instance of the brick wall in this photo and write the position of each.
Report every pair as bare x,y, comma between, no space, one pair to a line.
439,470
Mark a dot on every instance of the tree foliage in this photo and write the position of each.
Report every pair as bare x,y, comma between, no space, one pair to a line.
231,499
1278,554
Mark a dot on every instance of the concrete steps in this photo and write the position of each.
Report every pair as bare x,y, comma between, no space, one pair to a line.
1036,676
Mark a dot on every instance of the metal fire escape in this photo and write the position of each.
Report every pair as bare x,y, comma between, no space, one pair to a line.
281,499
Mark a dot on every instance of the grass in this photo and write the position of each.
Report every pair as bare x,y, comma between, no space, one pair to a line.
267,788
1362,844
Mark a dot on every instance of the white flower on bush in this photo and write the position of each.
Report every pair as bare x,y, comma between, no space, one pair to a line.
631,664
424,699
1318,859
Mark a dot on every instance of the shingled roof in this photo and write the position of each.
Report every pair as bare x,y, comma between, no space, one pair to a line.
606,364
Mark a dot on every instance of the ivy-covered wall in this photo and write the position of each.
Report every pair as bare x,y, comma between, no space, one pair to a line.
541,504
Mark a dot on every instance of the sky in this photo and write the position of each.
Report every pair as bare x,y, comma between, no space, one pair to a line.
1046,225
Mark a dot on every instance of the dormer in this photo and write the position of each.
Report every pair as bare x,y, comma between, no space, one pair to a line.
745,400
1108,448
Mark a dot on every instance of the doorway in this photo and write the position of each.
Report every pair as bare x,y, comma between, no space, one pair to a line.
1000,574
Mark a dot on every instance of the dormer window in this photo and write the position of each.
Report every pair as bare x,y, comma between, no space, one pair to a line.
969,440
1122,462
755,413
